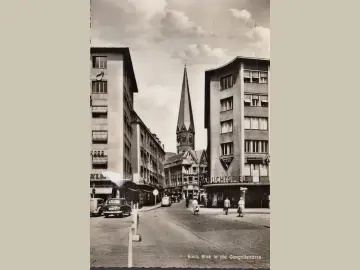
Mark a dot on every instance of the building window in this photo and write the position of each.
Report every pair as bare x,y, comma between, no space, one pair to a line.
99,62
99,87
264,170
247,124
99,136
263,77
142,138
226,104
251,76
226,82
227,149
256,146
226,126
256,100
263,123
264,146
247,170
99,111
256,123
99,160
126,149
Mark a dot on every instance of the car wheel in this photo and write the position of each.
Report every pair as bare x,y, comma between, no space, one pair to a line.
121,215
106,216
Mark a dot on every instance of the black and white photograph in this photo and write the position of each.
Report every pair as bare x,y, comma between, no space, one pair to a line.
180,143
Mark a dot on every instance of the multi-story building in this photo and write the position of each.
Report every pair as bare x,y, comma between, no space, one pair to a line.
237,122
113,85
185,170
148,157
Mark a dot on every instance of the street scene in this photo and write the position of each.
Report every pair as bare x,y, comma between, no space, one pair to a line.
174,237
180,133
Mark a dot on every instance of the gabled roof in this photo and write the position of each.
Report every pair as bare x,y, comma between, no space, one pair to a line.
197,154
185,118
174,158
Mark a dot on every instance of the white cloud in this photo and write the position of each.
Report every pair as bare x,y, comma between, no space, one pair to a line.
201,54
260,37
241,14
149,8
177,24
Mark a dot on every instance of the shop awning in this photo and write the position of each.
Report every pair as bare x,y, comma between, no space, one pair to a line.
102,190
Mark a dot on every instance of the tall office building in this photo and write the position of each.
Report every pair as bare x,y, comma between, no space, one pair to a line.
237,122
112,85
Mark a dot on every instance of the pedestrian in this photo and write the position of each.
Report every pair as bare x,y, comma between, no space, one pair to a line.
195,205
241,207
187,200
226,205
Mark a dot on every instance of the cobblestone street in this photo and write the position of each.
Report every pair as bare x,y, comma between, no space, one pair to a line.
171,235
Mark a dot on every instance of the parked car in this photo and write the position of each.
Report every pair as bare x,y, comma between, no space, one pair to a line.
166,201
96,206
117,207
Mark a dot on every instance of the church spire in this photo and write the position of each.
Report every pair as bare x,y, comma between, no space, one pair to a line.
185,129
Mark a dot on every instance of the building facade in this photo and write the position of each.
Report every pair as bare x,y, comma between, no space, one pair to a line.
237,122
185,170
148,157
112,85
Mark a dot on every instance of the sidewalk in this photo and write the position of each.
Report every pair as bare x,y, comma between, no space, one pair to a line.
149,208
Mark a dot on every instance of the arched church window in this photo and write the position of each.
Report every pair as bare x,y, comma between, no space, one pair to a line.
190,139
183,138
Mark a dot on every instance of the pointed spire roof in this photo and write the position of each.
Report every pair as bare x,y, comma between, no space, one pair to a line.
185,118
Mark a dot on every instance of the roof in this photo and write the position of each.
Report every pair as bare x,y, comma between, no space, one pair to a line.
169,154
197,154
178,157
137,119
127,59
210,72
174,158
185,118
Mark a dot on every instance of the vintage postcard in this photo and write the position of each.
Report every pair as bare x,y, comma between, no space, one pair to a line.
180,143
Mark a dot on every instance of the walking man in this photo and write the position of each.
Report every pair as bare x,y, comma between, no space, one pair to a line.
195,205
226,205
241,207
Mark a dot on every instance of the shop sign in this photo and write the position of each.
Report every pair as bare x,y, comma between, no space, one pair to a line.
227,179
226,161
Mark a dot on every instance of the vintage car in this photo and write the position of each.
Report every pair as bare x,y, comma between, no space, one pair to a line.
117,207
96,206
166,201
175,198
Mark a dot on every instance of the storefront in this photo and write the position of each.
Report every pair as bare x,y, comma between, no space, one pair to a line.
256,196
146,196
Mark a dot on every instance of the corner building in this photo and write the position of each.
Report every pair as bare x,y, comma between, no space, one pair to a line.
112,85
237,97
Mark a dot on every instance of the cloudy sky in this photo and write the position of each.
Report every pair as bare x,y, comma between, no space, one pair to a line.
163,34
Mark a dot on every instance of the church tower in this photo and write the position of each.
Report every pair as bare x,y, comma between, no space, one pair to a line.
185,130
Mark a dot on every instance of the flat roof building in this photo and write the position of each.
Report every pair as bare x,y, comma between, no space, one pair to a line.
237,97
112,85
